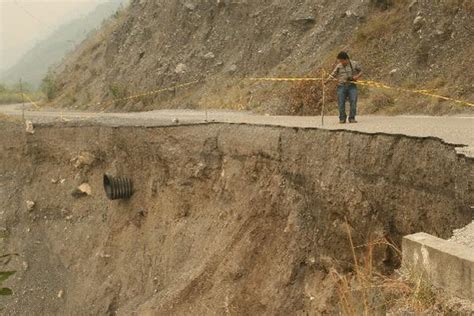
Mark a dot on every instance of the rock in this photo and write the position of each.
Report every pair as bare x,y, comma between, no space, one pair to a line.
3,232
30,205
304,23
60,294
82,190
84,159
86,188
304,20
180,68
29,127
190,6
176,120
311,260
350,13
103,255
418,22
393,71
232,69
209,55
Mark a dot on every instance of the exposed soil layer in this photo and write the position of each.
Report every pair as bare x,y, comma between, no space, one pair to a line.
235,219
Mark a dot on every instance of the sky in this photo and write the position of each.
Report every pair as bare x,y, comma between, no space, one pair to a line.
23,22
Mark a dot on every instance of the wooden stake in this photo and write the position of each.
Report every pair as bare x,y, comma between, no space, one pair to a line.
22,101
323,85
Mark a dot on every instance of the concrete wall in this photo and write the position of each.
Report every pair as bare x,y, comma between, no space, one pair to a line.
445,264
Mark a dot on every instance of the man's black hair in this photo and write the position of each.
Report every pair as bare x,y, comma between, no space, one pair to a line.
342,55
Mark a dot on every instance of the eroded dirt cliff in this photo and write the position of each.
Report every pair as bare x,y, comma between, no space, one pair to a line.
226,218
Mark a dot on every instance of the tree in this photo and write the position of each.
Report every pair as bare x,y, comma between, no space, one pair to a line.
49,87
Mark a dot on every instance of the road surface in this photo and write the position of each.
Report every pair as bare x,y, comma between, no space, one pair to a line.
457,130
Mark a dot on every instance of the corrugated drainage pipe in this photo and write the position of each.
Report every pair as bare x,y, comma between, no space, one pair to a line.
117,188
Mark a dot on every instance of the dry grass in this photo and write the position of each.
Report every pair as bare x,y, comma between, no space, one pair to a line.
234,96
366,291
380,102
379,27
306,97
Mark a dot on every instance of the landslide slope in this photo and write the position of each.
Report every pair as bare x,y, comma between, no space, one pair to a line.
156,44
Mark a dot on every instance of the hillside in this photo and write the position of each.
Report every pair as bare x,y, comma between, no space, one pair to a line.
34,65
156,44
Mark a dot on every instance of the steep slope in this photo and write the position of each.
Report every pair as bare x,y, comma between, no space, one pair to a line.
163,43
34,65
217,224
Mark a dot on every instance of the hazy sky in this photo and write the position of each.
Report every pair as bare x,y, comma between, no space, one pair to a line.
23,22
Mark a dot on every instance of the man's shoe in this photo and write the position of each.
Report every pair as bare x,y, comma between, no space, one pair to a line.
342,122
352,121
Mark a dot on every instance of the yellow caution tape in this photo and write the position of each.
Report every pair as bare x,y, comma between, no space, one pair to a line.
29,99
370,83
145,94
285,79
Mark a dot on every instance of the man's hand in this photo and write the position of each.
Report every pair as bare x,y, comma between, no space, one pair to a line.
356,77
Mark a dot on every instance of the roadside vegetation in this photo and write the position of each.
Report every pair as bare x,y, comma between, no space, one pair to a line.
368,291
4,275
10,94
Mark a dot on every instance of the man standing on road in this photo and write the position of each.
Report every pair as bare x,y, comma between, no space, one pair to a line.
346,73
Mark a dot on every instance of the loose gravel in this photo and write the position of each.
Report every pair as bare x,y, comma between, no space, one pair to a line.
464,236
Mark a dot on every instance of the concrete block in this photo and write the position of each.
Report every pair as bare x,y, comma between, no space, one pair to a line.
445,264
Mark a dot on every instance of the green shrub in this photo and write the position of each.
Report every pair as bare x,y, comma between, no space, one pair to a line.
4,275
118,90
49,87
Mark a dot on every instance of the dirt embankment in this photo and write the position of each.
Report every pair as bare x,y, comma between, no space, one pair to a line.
218,224
155,44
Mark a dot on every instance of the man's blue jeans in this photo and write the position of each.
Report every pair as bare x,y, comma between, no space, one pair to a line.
347,91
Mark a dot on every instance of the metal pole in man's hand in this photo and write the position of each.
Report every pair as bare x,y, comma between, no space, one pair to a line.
22,101
323,85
